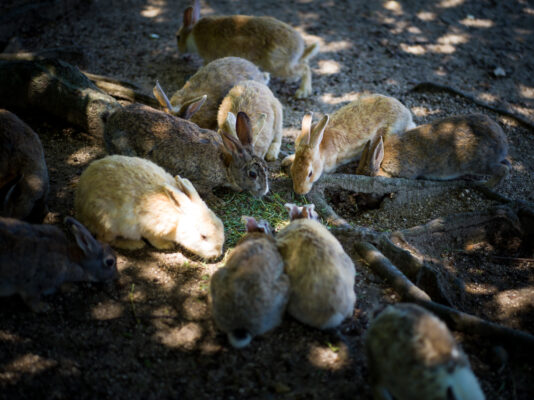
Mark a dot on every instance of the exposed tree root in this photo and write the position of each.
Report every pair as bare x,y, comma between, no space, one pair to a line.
433,87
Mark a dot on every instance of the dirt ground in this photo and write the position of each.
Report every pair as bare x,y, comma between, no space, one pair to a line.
150,335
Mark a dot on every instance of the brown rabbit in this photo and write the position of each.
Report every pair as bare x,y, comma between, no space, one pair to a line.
413,356
269,43
41,257
207,158
321,149
265,113
23,172
215,80
445,149
249,294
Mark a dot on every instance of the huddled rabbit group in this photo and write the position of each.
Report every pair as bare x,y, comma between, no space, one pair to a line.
220,129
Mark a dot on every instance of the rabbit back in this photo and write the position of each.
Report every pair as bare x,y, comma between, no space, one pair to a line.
24,181
249,294
412,355
320,272
259,103
215,79
447,149
269,43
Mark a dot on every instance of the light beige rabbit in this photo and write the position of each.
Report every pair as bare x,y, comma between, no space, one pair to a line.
321,149
249,294
445,149
215,80
265,113
124,199
269,43
320,272
413,356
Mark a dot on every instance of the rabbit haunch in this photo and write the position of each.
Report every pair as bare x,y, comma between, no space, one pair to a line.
320,272
124,199
249,294
265,113
445,149
205,157
215,80
23,173
412,355
41,257
323,147
267,42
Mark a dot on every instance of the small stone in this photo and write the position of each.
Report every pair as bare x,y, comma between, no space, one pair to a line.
499,72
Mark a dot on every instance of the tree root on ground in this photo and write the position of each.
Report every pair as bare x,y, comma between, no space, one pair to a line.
432,87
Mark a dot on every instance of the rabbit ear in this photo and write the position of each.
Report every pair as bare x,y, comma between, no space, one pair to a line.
304,137
230,123
259,125
318,131
190,107
243,129
178,197
85,241
364,159
13,192
308,212
162,98
196,11
251,224
294,211
230,148
189,18
187,188
377,153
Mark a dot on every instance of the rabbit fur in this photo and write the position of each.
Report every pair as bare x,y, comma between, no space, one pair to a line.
124,199
215,80
205,157
249,294
24,179
413,356
445,149
41,258
321,149
270,44
265,113
320,272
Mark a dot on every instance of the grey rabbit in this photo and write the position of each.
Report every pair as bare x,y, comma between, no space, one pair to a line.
413,356
249,294
36,259
24,181
207,158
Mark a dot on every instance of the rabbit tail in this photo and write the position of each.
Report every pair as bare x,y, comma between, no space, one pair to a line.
239,338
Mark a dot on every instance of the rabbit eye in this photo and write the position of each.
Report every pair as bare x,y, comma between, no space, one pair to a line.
204,237
252,174
109,262
310,174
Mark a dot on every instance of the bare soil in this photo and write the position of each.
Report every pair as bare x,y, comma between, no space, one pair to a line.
151,334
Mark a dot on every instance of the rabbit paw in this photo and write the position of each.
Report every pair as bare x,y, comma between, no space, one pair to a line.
160,244
302,92
128,244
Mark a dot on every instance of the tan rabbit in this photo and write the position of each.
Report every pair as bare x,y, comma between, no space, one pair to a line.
269,43
124,199
265,113
249,294
215,80
40,258
321,149
320,272
445,149
413,356
207,158
23,173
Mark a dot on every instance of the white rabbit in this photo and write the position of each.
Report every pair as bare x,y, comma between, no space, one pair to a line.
413,356
320,272
36,259
124,199
249,294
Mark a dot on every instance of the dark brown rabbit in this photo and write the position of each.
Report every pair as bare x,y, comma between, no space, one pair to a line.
23,172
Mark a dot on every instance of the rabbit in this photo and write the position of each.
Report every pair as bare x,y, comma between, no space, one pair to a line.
205,157
269,43
249,294
124,199
24,181
320,149
264,111
215,80
320,272
413,356
445,149
40,258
